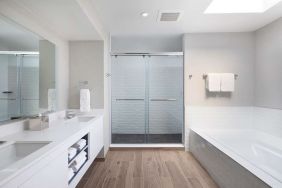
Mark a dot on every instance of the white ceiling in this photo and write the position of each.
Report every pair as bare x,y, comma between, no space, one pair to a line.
14,37
65,17
122,17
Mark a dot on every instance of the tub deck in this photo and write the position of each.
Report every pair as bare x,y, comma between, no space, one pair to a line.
258,152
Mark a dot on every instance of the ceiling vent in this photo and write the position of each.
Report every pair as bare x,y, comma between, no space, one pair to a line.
169,16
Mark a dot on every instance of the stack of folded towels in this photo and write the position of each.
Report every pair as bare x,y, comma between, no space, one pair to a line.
79,161
71,173
72,152
80,144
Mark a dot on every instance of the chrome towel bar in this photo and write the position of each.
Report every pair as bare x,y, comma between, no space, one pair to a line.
206,75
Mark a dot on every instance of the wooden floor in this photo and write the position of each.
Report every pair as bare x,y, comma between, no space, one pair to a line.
147,169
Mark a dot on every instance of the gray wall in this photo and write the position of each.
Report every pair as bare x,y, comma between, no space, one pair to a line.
3,47
268,71
87,64
219,52
146,44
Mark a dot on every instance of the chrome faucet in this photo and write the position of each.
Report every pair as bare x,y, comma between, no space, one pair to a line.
70,114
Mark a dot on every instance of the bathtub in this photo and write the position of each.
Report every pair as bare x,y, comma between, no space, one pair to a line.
257,152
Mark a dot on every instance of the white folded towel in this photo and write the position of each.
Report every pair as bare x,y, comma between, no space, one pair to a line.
76,165
213,82
81,156
227,82
70,173
80,144
85,100
71,152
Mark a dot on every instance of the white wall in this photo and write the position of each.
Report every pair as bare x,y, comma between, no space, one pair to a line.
107,95
268,70
87,64
219,52
256,58
146,44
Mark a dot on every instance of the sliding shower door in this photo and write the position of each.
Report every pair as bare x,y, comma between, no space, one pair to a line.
29,85
128,99
9,83
147,99
165,99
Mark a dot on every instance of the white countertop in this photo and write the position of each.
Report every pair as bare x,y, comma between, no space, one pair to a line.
62,134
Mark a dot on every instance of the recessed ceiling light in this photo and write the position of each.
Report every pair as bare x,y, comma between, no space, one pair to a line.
144,14
240,6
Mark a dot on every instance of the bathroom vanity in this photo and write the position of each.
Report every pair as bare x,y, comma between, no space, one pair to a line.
40,158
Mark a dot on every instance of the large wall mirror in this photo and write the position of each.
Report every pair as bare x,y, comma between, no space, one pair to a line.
27,72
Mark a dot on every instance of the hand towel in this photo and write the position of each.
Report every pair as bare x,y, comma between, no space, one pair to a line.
81,156
76,165
227,82
71,152
80,144
70,173
213,82
85,100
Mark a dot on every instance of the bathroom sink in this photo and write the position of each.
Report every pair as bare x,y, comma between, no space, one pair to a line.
85,119
11,152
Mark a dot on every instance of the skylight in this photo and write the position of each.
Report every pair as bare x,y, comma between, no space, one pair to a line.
240,6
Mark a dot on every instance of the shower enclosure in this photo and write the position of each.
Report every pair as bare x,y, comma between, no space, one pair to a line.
147,98
19,84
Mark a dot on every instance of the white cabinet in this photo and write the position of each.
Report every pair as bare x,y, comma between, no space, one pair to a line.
52,170
96,138
52,175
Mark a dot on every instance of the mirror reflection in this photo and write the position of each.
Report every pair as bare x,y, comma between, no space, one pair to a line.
27,72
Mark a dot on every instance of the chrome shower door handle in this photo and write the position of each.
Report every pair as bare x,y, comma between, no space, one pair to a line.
130,99
162,99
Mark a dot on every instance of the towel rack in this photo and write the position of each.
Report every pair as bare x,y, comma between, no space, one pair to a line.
206,75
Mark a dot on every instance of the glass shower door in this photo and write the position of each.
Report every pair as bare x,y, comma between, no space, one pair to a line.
128,99
165,99
147,99
9,77
29,86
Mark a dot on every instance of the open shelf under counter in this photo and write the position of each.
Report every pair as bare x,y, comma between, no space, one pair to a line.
71,161
75,173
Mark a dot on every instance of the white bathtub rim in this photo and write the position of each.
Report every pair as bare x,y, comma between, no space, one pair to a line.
264,176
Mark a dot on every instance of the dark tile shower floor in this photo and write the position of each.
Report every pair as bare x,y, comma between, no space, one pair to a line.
141,138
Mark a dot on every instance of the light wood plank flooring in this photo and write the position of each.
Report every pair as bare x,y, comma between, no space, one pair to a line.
147,168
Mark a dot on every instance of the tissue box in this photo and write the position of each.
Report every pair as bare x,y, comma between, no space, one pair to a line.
35,124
